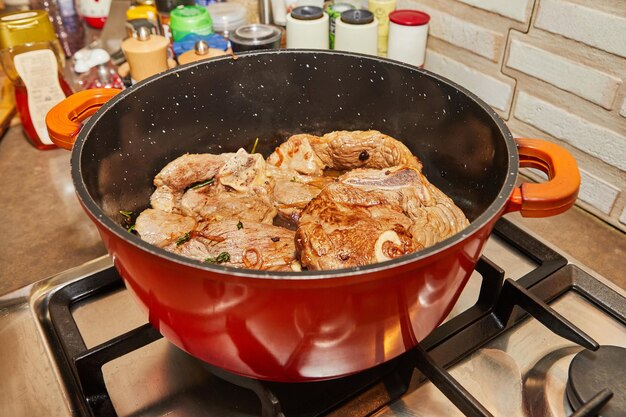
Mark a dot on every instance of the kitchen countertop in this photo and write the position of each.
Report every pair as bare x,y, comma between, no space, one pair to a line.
45,231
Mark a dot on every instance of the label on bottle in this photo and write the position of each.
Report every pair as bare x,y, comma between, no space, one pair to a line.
39,72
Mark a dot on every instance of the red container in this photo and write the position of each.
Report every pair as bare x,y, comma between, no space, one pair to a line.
310,325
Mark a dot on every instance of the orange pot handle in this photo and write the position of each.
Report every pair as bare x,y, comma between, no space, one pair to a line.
552,197
64,120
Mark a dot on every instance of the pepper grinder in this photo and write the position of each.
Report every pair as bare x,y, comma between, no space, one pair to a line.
146,54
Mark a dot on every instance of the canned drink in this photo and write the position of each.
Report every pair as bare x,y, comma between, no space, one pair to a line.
334,11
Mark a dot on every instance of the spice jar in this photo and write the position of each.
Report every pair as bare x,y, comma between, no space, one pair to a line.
408,32
33,60
308,27
357,31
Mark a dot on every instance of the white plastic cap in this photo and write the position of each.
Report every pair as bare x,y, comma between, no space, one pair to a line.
85,59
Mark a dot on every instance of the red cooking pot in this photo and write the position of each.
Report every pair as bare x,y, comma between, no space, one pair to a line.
310,325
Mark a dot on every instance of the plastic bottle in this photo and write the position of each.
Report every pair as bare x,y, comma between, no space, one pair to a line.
33,60
67,24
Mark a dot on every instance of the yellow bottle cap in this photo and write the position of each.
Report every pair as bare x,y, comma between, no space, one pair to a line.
18,28
141,12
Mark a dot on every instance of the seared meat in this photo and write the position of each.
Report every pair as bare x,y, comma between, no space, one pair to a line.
374,215
434,215
345,226
161,228
298,165
343,150
182,173
216,187
246,244
357,198
250,245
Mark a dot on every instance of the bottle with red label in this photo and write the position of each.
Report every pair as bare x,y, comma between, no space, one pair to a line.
33,60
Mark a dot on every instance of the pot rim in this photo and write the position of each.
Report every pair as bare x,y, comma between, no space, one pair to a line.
495,208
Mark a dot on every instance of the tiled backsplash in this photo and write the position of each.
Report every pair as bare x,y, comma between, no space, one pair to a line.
553,69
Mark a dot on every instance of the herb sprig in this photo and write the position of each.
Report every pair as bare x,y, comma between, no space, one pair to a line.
202,184
184,238
222,257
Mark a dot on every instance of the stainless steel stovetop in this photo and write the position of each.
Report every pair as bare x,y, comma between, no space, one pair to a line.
520,370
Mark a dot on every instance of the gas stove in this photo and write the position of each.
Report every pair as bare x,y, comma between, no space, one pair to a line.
76,344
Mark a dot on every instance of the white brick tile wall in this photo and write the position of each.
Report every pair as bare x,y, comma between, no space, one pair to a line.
589,83
495,92
515,9
589,137
597,192
594,27
464,34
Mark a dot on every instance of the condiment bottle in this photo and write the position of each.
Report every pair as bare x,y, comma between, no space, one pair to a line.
308,27
186,20
357,31
381,10
143,15
408,32
164,7
32,59
66,22
146,54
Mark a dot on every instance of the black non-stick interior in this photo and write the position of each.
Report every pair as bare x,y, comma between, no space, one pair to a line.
223,104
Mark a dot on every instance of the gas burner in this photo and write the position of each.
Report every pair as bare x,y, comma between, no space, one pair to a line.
591,372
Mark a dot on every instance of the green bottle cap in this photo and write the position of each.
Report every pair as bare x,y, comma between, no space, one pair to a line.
185,20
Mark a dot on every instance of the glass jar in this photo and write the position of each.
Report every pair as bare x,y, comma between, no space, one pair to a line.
33,60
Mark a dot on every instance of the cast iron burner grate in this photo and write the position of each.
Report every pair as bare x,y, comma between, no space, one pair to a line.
366,392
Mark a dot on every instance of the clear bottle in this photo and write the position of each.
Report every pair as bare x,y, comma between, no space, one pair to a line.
66,22
33,60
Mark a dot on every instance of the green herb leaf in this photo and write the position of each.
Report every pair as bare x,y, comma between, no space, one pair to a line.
131,229
256,142
202,184
239,225
222,257
184,238
126,213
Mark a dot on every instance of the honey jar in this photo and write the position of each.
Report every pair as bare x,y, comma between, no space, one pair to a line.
32,58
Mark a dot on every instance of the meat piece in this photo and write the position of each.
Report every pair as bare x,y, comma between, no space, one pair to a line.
248,245
216,187
359,228
434,215
241,191
182,173
161,228
344,150
300,165
293,191
373,215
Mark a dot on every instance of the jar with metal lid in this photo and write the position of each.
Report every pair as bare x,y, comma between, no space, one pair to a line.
308,27
357,31
408,32
32,58
254,37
